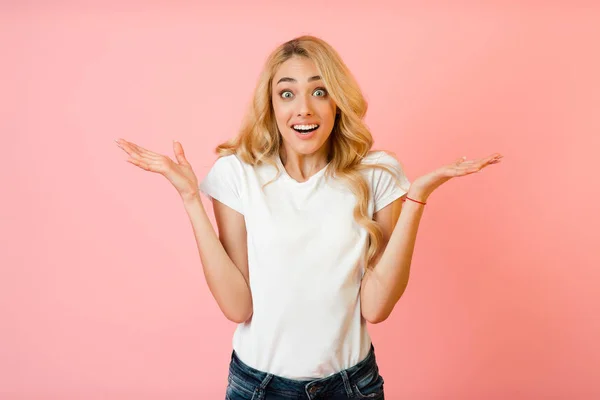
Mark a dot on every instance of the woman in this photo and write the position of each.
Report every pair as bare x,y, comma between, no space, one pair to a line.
316,230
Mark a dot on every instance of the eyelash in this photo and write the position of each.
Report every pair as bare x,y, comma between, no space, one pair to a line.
286,90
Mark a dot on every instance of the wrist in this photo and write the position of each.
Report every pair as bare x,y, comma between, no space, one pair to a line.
418,195
190,196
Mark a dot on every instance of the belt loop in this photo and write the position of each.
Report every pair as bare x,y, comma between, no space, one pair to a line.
265,382
349,391
259,393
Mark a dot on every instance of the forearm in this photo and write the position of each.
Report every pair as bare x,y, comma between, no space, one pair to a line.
386,283
225,281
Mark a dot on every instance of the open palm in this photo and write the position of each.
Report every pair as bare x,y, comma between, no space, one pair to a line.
426,184
180,173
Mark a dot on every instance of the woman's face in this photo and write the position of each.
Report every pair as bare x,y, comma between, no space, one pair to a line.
304,111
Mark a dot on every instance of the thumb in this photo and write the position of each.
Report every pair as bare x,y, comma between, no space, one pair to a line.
179,154
460,160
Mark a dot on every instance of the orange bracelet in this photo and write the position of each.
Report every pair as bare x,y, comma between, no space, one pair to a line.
416,201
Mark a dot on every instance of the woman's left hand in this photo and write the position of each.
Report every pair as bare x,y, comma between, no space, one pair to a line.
422,187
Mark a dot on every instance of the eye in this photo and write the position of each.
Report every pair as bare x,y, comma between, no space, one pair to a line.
283,94
321,90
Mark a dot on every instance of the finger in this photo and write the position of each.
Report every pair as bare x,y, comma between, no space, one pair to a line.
466,170
121,147
179,153
147,164
458,171
491,162
484,162
467,163
132,148
133,153
470,167
138,163
460,160
142,150
127,146
138,155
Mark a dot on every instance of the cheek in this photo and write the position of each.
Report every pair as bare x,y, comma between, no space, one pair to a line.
281,111
282,117
278,114
331,113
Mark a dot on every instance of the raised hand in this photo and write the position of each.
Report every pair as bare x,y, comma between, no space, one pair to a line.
179,173
423,186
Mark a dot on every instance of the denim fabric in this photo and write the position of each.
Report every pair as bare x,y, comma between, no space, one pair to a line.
361,381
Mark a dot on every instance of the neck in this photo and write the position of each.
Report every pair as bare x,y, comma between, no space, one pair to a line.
303,166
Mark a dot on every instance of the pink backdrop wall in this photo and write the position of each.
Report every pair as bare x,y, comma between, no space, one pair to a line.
102,294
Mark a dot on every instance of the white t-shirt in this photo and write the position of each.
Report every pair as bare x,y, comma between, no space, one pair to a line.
305,261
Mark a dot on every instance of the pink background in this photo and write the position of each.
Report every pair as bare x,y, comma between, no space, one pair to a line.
102,294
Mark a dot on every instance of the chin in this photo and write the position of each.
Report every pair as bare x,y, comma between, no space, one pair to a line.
305,145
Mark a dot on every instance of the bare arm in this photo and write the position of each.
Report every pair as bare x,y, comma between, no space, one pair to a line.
382,287
224,258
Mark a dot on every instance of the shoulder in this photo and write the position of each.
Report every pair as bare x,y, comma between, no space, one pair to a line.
380,157
386,167
228,160
230,164
233,160
225,168
234,168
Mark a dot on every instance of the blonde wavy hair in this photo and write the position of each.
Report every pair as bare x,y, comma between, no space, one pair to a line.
259,140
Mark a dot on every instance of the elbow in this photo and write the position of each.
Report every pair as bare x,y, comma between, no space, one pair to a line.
376,318
379,314
373,315
236,319
241,316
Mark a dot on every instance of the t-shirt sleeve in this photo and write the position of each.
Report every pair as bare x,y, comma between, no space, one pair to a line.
223,182
386,189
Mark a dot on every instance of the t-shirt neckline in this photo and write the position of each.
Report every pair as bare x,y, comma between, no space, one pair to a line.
310,178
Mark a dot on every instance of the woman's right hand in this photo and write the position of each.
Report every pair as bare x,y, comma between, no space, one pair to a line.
179,173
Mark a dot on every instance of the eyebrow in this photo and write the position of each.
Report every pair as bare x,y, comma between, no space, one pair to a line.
288,79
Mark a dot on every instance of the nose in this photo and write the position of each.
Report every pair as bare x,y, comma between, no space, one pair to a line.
304,107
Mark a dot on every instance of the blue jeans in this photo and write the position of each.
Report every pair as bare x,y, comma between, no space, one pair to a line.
361,381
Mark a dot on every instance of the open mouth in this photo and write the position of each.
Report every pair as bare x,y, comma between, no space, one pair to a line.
305,129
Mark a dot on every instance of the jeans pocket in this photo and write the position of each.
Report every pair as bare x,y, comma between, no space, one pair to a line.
370,387
239,390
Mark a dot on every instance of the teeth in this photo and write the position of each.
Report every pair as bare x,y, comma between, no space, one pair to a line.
305,127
